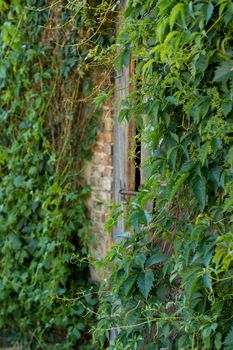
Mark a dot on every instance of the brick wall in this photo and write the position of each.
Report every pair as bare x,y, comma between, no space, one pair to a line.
99,175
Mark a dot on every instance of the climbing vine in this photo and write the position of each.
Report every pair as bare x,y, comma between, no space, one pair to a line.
50,51
171,280
171,276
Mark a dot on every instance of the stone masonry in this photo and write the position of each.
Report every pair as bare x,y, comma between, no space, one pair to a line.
99,175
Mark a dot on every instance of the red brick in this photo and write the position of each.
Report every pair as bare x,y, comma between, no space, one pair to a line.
99,148
99,174
108,161
108,172
107,149
101,137
108,137
102,158
108,124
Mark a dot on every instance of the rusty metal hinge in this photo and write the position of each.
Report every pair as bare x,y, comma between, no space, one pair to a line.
124,192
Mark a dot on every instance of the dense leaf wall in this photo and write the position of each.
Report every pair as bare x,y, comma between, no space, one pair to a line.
171,285
47,126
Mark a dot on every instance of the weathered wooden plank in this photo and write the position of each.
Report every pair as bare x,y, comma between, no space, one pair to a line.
120,145
120,156
122,170
131,136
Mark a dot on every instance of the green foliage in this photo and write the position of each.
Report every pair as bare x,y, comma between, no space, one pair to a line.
229,338
145,282
171,283
45,77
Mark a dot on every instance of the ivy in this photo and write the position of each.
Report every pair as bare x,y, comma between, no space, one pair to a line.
173,277
170,284
46,75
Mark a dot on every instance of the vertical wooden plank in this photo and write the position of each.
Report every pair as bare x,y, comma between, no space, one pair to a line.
122,169
131,136
120,159
120,146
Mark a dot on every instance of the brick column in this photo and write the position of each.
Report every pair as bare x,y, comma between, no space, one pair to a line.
99,175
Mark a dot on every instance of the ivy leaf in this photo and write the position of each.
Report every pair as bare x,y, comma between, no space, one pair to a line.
187,166
161,28
140,260
177,10
126,57
224,72
156,259
3,116
208,11
190,10
139,217
215,174
172,156
122,59
147,68
18,181
226,106
119,62
207,281
3,71
124,114
171,99
145,282
76,333
199,190
200,108
229,338
128,285
15,242
162,291
191,285
218,341
179,182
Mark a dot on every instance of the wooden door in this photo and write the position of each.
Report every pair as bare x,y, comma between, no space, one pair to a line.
124,134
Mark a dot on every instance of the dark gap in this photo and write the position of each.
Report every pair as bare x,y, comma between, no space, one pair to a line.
137,160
